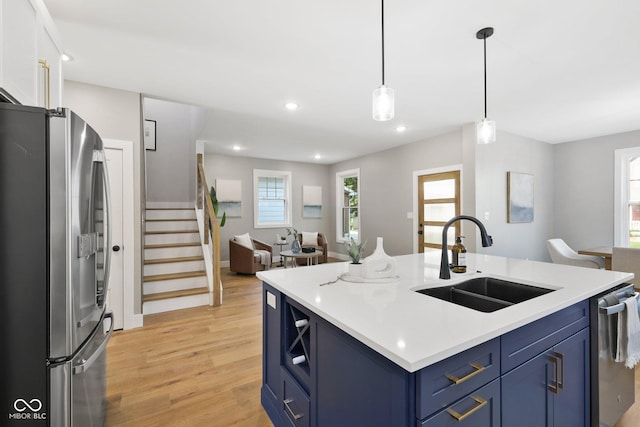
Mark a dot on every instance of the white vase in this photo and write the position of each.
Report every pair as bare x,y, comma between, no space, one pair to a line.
379,265
355,270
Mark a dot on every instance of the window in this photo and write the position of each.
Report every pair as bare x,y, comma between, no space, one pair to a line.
347,205
272,198
627,198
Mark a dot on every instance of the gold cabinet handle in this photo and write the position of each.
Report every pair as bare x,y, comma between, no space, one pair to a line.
459,417
560,382
556,358
47,82
294,415
477,368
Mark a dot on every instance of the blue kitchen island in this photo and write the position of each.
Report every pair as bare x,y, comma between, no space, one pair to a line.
383,354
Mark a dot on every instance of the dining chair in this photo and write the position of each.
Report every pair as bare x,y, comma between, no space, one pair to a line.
627,260
561,253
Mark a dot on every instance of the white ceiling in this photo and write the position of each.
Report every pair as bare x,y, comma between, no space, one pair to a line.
558,70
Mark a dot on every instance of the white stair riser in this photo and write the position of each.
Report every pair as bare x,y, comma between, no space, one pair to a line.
163,239
171,214
173,267
174,285
173,252
170,225
160,306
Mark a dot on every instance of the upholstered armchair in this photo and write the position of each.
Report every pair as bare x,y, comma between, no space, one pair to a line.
319,243
247,260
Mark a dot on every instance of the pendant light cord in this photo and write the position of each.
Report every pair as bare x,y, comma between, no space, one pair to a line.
382,15
485,76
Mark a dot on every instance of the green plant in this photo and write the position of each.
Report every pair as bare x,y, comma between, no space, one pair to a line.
355,250
292,232
216,206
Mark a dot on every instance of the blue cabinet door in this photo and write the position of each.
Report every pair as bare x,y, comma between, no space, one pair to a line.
526,400
356,386
552,389
571,407
271,391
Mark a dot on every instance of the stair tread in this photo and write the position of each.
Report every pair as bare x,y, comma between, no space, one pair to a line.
175,294
171,220
172,276
172,245
170,260
171,232
169,209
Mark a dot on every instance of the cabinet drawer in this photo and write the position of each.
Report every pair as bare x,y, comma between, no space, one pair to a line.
530,340
479,409
295,401
445,382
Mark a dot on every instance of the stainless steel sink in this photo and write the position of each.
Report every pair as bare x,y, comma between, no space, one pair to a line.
486,294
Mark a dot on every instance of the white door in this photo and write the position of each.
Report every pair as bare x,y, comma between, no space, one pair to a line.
120,295
115,293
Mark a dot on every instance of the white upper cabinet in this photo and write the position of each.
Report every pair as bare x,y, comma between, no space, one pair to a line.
30,54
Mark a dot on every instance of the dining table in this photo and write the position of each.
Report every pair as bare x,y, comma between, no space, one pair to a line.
603,251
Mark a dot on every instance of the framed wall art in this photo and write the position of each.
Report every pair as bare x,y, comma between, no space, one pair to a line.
229,194
150,135
311,201
519,197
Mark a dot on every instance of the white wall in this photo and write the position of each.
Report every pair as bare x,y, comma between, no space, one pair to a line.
115,114
584,197
171,169
241,168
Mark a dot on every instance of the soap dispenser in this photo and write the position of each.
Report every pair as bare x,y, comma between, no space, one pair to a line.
459,256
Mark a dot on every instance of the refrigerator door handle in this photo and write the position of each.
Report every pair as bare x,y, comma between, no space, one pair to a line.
86,363
99,156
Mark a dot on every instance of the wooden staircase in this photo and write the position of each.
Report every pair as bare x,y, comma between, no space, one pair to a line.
174,268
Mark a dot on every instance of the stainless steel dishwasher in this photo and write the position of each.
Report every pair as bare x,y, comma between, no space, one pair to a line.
616,392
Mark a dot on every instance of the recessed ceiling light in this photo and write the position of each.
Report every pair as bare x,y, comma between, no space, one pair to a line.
291,106
317,157
66,57
401,128
236,148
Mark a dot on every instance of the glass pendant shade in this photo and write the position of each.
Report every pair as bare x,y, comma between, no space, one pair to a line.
383,104
486,131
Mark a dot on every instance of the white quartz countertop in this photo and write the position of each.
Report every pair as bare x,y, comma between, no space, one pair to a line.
415,330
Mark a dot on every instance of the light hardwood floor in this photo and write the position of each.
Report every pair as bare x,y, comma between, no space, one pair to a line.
195,367
203,366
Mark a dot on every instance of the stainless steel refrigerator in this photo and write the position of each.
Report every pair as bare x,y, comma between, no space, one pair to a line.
54,268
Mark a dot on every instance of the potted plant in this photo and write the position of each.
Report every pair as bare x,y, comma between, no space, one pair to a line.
355,251
216,205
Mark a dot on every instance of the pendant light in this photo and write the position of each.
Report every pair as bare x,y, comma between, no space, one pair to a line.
486,130
383,96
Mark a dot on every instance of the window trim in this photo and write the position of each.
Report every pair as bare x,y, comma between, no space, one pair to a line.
264,173
621,195
340,176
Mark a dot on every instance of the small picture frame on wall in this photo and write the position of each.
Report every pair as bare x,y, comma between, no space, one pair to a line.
520,198
150,135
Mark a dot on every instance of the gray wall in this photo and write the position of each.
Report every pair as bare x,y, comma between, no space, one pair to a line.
171,169
115,114
584,197
387,189
241,168
516,154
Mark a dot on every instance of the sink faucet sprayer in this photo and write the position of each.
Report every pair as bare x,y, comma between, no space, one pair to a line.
444,260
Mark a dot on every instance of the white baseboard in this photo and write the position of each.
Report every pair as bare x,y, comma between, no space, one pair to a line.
137,321
160,205
338,255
